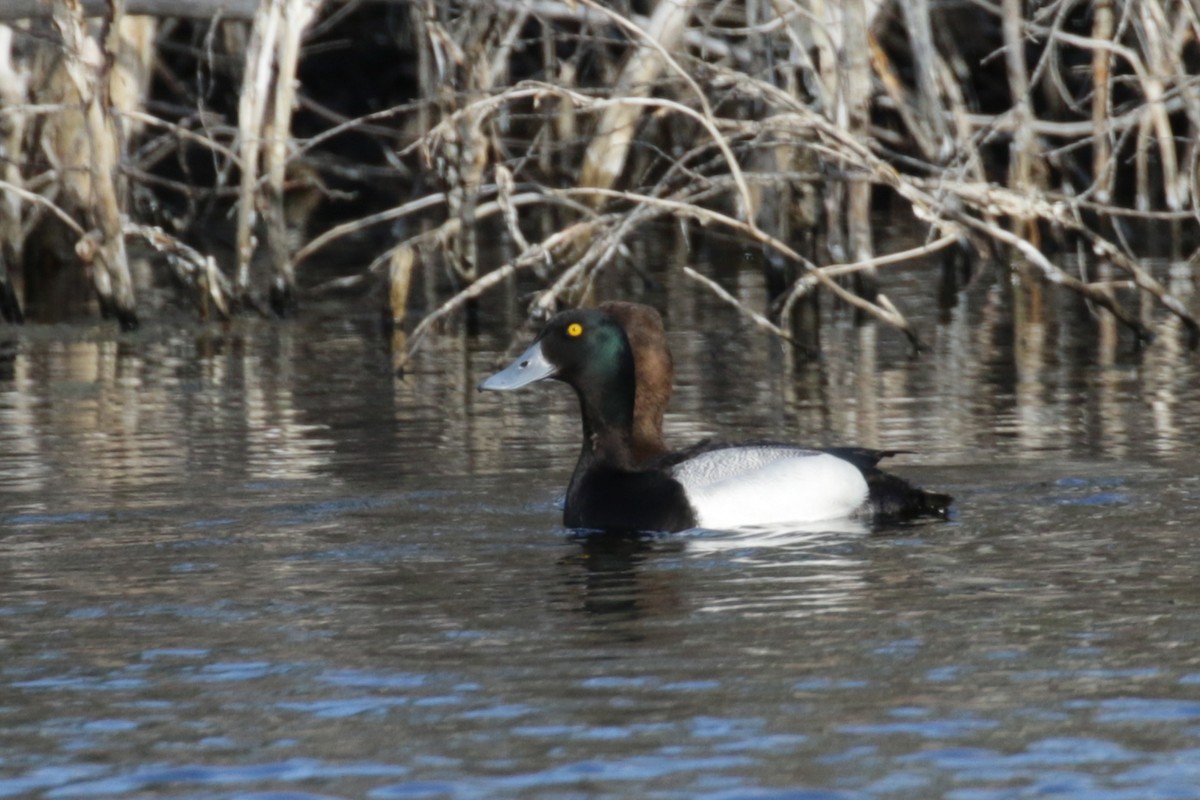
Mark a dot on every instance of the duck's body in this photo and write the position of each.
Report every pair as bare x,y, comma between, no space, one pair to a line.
760,485
626,480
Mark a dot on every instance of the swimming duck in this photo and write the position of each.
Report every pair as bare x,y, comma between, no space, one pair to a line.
711,485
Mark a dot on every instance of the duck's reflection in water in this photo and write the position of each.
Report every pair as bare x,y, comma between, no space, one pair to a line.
755,537
794,570
614,575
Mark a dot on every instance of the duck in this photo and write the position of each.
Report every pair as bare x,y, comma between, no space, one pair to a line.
616,360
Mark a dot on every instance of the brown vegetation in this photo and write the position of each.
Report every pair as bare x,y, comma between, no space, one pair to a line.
565,127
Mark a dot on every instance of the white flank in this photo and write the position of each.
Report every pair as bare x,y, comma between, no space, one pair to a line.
739,486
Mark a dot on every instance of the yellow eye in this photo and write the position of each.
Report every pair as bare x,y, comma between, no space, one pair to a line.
574,329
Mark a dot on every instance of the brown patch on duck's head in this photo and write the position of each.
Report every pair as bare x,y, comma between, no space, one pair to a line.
654,372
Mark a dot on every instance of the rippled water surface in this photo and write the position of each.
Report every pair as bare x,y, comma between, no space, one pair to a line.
252,563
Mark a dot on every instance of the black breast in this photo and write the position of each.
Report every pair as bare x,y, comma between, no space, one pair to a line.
615,499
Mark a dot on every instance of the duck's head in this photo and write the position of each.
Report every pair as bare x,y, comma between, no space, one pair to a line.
586,349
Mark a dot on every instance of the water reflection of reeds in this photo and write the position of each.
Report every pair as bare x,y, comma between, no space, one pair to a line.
107,415
316,399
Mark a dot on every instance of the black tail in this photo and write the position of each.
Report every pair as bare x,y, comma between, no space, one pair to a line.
896,499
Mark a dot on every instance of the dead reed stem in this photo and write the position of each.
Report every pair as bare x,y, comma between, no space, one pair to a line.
857,93
296,17
1102,166
14,96
86,68
252,106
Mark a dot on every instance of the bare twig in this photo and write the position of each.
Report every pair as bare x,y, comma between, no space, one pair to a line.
546,249
759,320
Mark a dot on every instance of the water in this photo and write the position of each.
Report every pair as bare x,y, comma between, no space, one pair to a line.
251,563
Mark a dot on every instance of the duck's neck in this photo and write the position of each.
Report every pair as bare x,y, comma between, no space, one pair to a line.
607,427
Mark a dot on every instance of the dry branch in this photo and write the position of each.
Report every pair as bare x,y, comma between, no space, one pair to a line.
604,159
546,250
706,117
758,319
208,287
